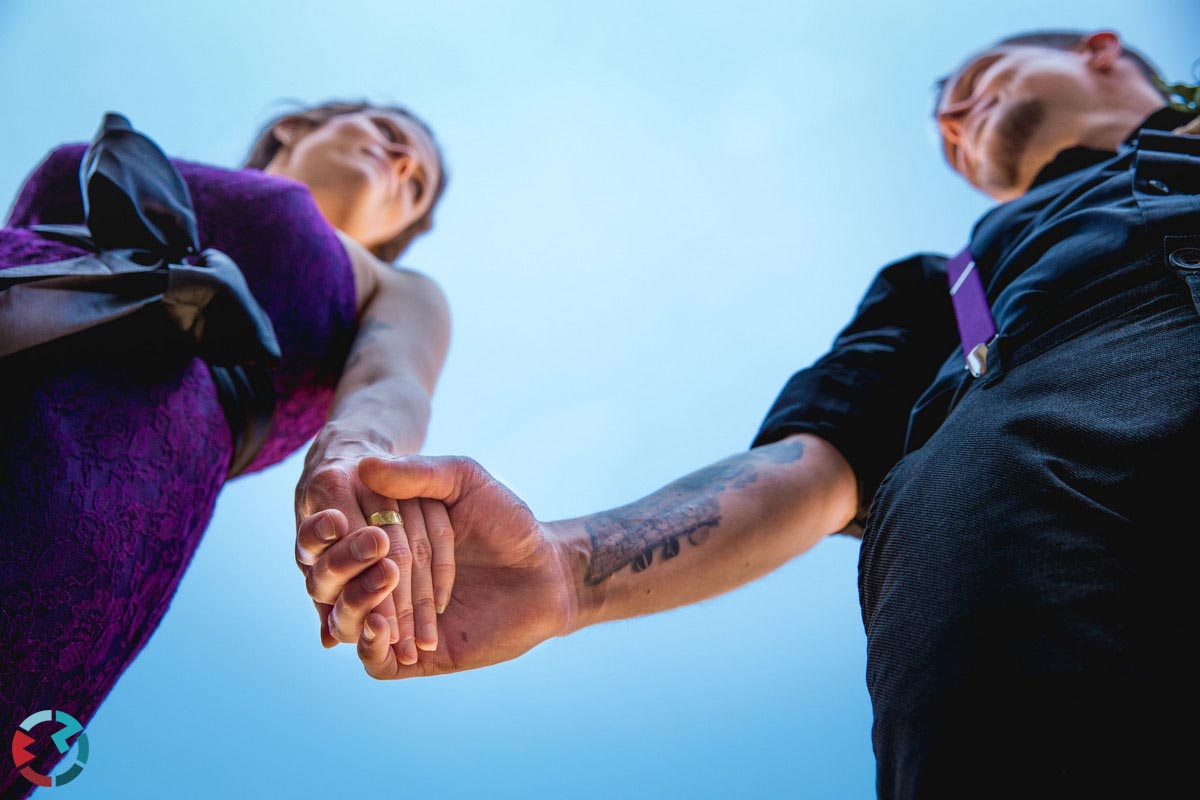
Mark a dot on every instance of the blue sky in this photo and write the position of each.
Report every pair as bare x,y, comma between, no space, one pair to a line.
657,212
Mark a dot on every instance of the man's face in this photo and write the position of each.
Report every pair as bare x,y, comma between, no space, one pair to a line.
1009,111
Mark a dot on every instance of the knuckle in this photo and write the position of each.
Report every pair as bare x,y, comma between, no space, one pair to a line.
440,530
404,616
309,545
422,552
402,556
341,625
333,623
376,671
424,607
315,584
327,480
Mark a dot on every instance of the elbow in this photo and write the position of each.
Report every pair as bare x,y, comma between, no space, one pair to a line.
836,483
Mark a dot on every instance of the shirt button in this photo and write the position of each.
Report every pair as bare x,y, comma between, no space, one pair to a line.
1185,258
1159,186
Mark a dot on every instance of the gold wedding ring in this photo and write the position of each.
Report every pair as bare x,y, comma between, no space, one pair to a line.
390,517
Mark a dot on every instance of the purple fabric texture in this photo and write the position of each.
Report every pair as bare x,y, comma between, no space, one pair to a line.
113,448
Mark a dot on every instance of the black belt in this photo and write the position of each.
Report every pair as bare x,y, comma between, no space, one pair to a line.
144,252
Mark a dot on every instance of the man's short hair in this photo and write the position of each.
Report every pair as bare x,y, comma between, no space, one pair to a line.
1059,40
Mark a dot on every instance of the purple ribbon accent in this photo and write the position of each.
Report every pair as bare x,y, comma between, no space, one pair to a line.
976,328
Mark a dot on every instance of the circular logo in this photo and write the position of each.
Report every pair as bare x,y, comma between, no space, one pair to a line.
21,740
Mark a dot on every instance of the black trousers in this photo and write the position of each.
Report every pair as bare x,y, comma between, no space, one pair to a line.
1025,573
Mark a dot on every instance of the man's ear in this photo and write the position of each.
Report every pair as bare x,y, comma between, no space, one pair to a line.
1103,48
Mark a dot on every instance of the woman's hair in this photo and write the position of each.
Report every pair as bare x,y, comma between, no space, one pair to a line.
266,146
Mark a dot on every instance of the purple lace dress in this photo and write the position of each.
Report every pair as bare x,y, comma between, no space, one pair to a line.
111,457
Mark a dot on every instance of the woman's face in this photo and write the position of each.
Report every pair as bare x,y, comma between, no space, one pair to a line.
371,172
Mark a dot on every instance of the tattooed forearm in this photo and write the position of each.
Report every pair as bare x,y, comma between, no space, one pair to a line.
620,538
687,509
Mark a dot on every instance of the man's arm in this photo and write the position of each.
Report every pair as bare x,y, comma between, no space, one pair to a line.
520,581
709,532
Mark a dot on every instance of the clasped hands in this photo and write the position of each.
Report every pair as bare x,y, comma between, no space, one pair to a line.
469,578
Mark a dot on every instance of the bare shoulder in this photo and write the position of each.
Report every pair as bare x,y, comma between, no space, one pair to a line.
416,288
398,287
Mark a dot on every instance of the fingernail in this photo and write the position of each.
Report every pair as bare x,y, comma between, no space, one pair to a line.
394,635
375,578
443,600
428,633
363,546
368,634
325,529
408,652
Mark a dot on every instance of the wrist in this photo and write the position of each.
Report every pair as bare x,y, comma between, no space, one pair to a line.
345,441
574,549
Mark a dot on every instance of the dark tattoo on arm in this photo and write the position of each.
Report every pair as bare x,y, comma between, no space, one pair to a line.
686,509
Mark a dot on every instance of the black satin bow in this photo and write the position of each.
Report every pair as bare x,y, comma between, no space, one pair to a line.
143,241
141,230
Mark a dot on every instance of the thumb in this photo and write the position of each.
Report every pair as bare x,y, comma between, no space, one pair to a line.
407,477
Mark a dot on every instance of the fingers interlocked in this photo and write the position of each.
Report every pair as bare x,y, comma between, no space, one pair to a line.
336,571
402,570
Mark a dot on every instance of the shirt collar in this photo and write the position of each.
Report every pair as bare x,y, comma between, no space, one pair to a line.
1076,158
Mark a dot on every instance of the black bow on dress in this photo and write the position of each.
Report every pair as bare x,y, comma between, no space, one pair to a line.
141,231
143,245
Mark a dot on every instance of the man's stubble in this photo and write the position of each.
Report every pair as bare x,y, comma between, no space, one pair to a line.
1011,138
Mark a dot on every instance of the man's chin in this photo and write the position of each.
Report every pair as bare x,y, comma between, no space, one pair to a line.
998,191
1009,183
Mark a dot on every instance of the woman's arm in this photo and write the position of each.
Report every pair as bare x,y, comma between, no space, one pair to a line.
381,404
381,407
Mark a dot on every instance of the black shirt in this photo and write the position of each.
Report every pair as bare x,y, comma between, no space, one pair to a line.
894,372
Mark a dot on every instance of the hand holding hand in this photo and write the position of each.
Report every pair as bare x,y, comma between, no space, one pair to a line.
515,580
332,503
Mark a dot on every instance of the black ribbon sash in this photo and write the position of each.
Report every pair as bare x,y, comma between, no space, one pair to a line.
144,254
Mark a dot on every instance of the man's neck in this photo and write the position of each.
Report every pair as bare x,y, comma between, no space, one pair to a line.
1107,129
